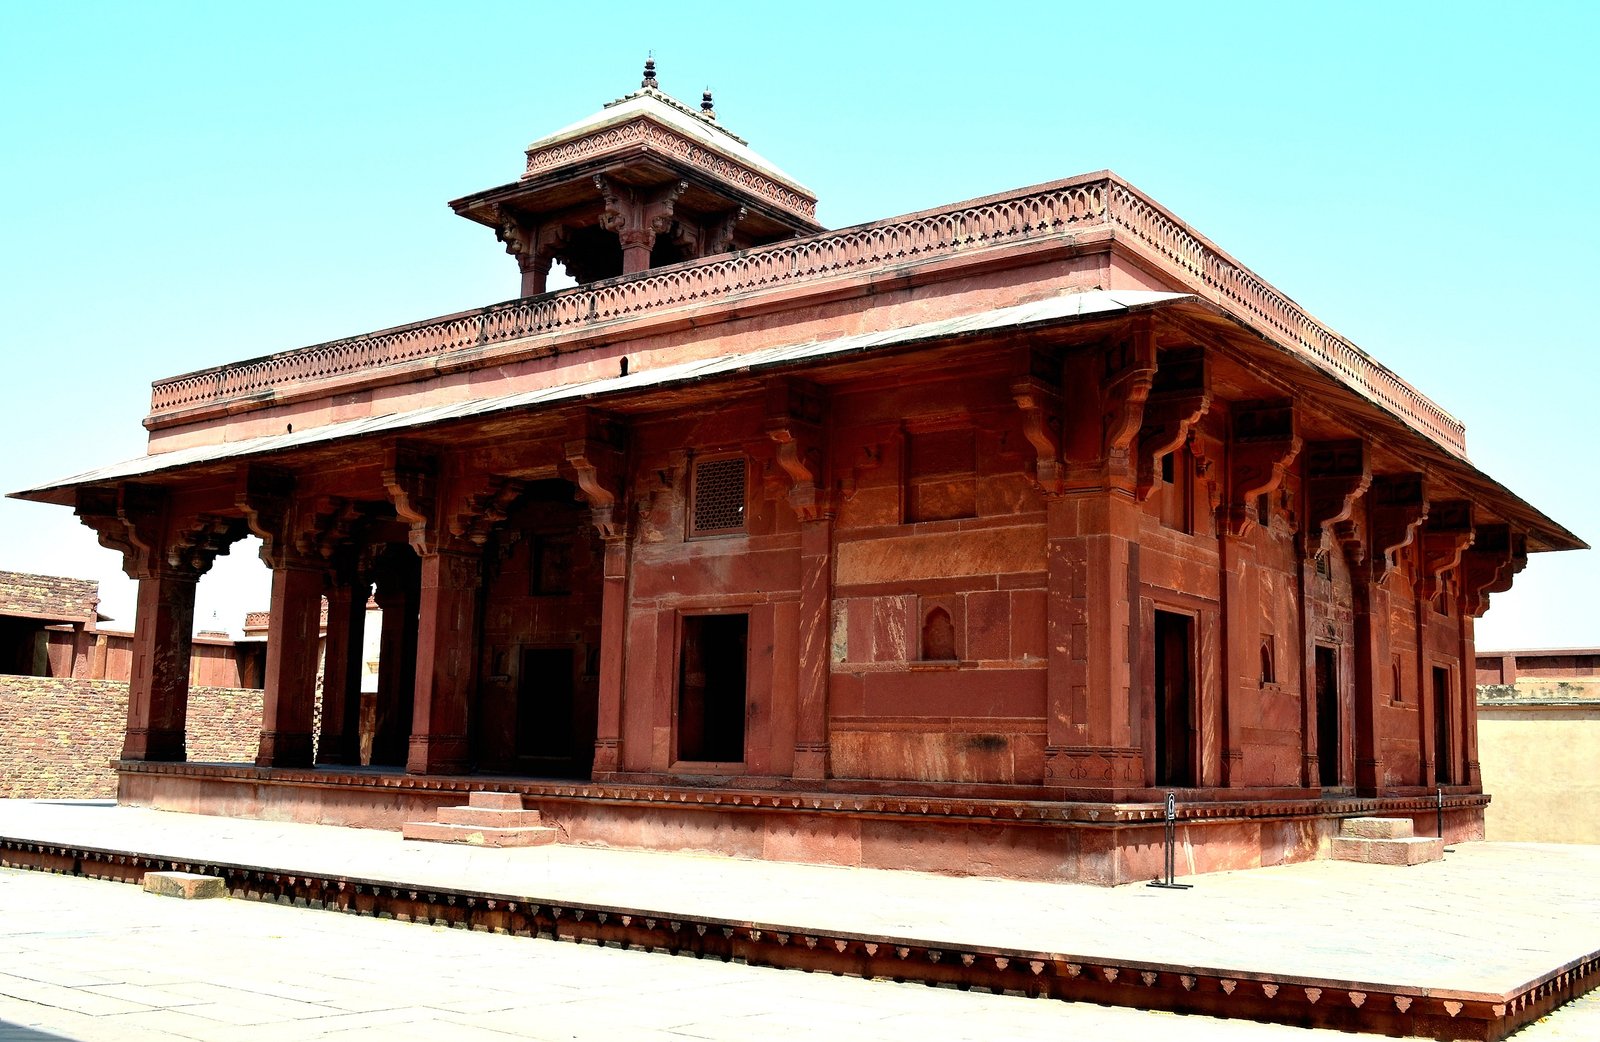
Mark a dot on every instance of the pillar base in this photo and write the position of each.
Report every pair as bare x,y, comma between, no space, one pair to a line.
284,749
165,746
439,754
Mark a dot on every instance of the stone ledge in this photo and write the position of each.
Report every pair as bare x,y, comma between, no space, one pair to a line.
1416,850
189,886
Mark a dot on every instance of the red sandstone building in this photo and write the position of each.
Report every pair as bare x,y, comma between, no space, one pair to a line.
953,540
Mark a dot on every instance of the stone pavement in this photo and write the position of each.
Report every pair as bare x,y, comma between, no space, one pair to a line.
1491,917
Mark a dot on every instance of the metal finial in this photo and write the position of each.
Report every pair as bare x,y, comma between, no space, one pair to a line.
706,110
650,74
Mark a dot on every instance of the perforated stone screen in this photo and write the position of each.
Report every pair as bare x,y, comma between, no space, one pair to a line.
719,495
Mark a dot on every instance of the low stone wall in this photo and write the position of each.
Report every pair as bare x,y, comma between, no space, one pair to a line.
58,735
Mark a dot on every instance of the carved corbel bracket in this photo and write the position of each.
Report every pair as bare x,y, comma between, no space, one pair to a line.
1497,554
595,450
411,477
1128,377
719,233
1338,473
266,497
1207,453
1179,396
1036,390
1265,442
128,519
1446,534
483,506
201,540
516,236
329,530
1397,504
795,415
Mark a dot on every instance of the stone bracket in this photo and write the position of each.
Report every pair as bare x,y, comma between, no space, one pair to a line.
1265,441
266,496
796,410
199,542
595,452
129,519
411,477
1037,391
1446,534
1338,474
1397,504
1097,440
1497,554
1179,396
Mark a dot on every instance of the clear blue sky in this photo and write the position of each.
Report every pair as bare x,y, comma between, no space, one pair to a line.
188,184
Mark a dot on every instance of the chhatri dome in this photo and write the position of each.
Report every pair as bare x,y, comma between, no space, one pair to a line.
644,182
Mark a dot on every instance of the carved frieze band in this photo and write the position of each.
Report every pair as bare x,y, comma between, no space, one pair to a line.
649,133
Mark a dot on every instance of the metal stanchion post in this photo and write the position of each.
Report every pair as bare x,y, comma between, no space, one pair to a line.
1171,853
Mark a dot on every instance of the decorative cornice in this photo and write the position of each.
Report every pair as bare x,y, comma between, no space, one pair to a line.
647,133
1059,213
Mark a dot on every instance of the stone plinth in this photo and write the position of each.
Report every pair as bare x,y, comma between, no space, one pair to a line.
189,886
1385,841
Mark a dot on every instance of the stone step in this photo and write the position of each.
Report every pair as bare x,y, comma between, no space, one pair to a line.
1411,850
478,836
189,886
1376,828
500,819
495,800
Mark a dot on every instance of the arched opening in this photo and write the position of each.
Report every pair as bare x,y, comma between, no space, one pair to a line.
938,637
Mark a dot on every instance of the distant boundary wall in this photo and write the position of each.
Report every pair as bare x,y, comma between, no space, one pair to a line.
58,735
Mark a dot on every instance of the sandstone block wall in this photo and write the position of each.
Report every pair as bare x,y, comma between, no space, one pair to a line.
57,734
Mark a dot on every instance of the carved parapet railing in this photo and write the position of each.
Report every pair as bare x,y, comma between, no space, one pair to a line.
1219,278
1059,211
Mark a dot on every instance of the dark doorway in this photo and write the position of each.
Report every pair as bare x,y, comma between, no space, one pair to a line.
1326,679
711,688
1174,708
548,744
1443,753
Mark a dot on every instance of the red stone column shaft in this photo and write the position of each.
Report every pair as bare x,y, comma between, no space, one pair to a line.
1241,613
1467,698
289,700
1373,677
158,692
613,634
1427,767
339,741
814,644
447,652
1089,724
397,673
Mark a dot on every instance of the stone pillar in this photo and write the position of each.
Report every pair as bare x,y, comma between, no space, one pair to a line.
1241,629
636,246
397,672
340,740
816,606
446,659
613,626
289,700
158,691
1467,700
1091,631
1373,676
